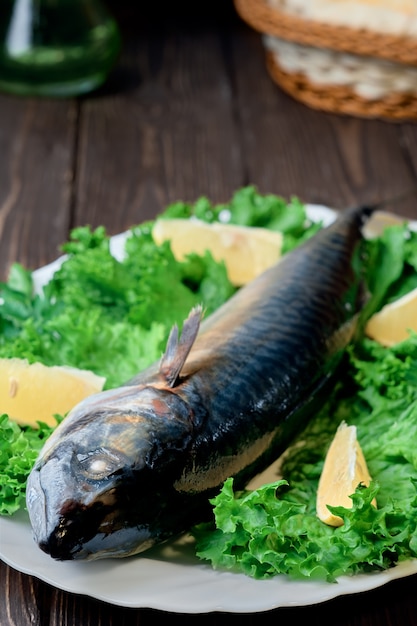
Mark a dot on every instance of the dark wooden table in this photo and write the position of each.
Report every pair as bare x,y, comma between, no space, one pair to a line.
188,111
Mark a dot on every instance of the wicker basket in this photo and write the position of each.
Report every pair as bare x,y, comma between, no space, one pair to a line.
386,52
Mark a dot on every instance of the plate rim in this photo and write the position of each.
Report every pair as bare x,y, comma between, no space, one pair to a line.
316,592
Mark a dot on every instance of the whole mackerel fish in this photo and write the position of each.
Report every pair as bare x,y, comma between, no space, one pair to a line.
134,466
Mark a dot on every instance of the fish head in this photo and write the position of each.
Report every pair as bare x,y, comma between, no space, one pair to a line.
94,489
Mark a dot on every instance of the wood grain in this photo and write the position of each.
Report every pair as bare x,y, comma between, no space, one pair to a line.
171,136
37,150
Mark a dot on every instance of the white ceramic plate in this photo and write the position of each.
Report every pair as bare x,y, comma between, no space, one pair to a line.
170,577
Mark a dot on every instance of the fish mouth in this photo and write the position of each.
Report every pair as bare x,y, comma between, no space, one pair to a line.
103,546
60,526
45,527
67,530
64,544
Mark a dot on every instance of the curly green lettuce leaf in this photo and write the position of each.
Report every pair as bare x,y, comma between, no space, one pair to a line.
19,448
103,314
275,530
113,316
248,207
391,266
261,533
97,313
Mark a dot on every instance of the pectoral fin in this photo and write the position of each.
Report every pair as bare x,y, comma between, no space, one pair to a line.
178,348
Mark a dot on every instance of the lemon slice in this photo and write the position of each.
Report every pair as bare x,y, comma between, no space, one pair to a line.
378,222
392,323
32,393
344,469
247,251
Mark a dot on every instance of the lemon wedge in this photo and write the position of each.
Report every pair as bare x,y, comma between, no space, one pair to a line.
32,393
344,469
391,324
378,222
247,251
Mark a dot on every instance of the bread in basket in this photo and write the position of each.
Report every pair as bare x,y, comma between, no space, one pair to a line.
357,57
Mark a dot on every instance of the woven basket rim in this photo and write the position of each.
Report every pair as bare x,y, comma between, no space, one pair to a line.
395,107
268,20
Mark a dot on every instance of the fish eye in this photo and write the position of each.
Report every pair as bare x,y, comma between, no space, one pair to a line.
99,464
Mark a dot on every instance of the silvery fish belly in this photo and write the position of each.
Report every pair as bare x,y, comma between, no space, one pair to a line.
134,466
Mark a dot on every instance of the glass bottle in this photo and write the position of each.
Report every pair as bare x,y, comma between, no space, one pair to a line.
56,48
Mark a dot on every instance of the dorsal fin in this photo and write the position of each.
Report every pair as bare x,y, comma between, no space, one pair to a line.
177,350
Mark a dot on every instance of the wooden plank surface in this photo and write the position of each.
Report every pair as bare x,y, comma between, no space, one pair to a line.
37,153
172,135
188,111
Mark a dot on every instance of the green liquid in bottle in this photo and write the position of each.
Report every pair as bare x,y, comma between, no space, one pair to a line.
55,47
